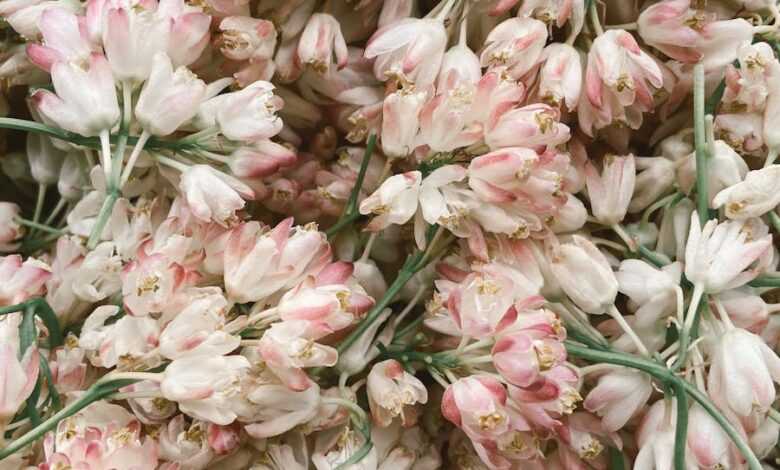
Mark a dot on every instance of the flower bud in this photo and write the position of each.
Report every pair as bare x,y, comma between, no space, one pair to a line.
584,274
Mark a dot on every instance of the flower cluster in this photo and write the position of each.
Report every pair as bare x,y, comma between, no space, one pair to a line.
401,234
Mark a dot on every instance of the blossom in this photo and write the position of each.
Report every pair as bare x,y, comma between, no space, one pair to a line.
320,42
10,230
391,390
169,98
717,256
515,44
754,196
619,395
395,202
409,50
21,279
204,386
85,101
213,195
610,193
584,274
19,372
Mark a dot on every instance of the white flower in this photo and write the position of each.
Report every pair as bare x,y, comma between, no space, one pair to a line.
756,195
213,195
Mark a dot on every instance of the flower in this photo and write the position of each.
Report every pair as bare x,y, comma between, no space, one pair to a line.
169,98
205,386
85,101
21,280
717,256
756,195
10,230
19,372
320,42
743,372
391,390
619,395
515,44
132,38
610,193
213,195
395,202
245,115
584,274
409,51
401,121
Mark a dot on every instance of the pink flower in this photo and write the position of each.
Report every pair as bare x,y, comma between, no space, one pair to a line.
619,395
185,444
198,329
514,44
409,51
756,195
446,122
535,125
618,81
610,193
560,78
689,35
263,158
321,42
401,114
245,38
394,203
287,352
100,436
132,38
655,436
205,386
391,390
743,373
258,265
18,372
63,39
169,98
108,345
477,405
85,101
212,195
21,280
710,446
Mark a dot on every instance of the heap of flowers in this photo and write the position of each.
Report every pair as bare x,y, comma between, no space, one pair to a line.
400,234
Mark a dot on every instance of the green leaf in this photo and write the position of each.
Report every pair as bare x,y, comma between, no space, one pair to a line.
49,318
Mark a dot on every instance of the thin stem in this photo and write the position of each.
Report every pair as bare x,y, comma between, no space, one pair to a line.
369,244
626,26
702,151
102,219
39,204
348,404
771,156
351,213
594,19
681,427
41,227
685,329
53,215
135,376
136,394
215,156
774,219
139,146
627,239
172,163
618,317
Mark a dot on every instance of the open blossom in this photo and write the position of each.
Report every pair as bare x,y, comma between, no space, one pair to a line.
619,82
689,35
717,256
169,98
409,50
515,44
259,264
213,195
245,115
477,405
400,122
108,344
21,279
532,126
756,195
204,386
395,202
391,390
560,78
245,38
85,101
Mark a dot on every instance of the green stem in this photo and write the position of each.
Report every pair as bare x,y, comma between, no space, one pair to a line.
351,213
102,218
39,204
93,394
41,227
666,376
702,174
681,427
765,281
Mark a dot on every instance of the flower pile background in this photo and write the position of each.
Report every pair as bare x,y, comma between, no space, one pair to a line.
389,235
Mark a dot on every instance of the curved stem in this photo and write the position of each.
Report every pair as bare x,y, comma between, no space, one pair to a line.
102,219
139,146
41,227
681,427
618,317
39,204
